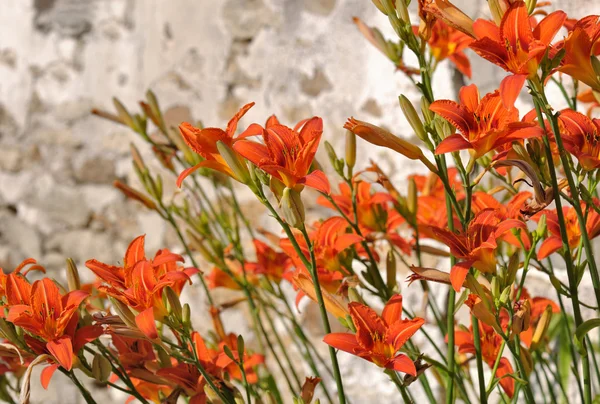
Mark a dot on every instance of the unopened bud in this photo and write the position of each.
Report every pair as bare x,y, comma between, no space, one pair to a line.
212,395
413,118
164,358
541,228
172,302
513,266
390,270
101,368
333,158
235,162
541,328
292,208
411,199
495,287
481,311
596,65
124,313
403,11
72,276
8,331
124,115
156,115
350,149
428,115
134,194
186,316
497,9
531,4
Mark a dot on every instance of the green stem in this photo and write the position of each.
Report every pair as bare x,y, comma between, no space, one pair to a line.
477,341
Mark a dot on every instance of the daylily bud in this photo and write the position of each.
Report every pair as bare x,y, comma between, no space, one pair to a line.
292,208
235,162
505,295
596,65
276,187
331,153
266,285
8,332
541,227
186,316
124,115
527,360
411,199
390,270
413,118
164,358
173,304
381,137
101,368
134,194
541,328
381,6
350,149
123,312
428,115
212,395
495,287
531,4
353,296
521,318
513,267
403,11
497,9
156,116
72,275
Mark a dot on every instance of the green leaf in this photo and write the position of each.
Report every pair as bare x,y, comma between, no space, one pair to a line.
582,330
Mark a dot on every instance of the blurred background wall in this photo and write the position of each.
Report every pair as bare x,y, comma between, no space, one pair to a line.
61,58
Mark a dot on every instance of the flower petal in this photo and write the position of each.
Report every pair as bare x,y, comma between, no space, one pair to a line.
510,88
392,311
146,324
317,180
46,375
342,341
403,363
62,350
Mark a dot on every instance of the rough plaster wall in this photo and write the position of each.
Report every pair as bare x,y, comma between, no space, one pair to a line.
60,58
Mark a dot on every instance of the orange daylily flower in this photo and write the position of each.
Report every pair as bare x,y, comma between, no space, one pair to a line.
379,338
490,347
188,377
330,240
23,266
449,43
270,263
140,282
516,45
554,241
51,317
374,211
511,210
204,142
288,153
476,246
582,44
484,124
581,138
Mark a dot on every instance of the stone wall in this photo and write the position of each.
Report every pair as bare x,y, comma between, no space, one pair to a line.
60,58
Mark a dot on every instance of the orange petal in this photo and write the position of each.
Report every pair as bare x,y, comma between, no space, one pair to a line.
547,29
515,27
367,323
455,113
403,363
549,246
146,324
317,180
392,311
510,88
504,371
342,341
401,331
453,143
46,375
135,252
458,274
62,350
232,124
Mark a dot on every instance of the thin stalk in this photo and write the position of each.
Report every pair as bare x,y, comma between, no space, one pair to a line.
477,341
